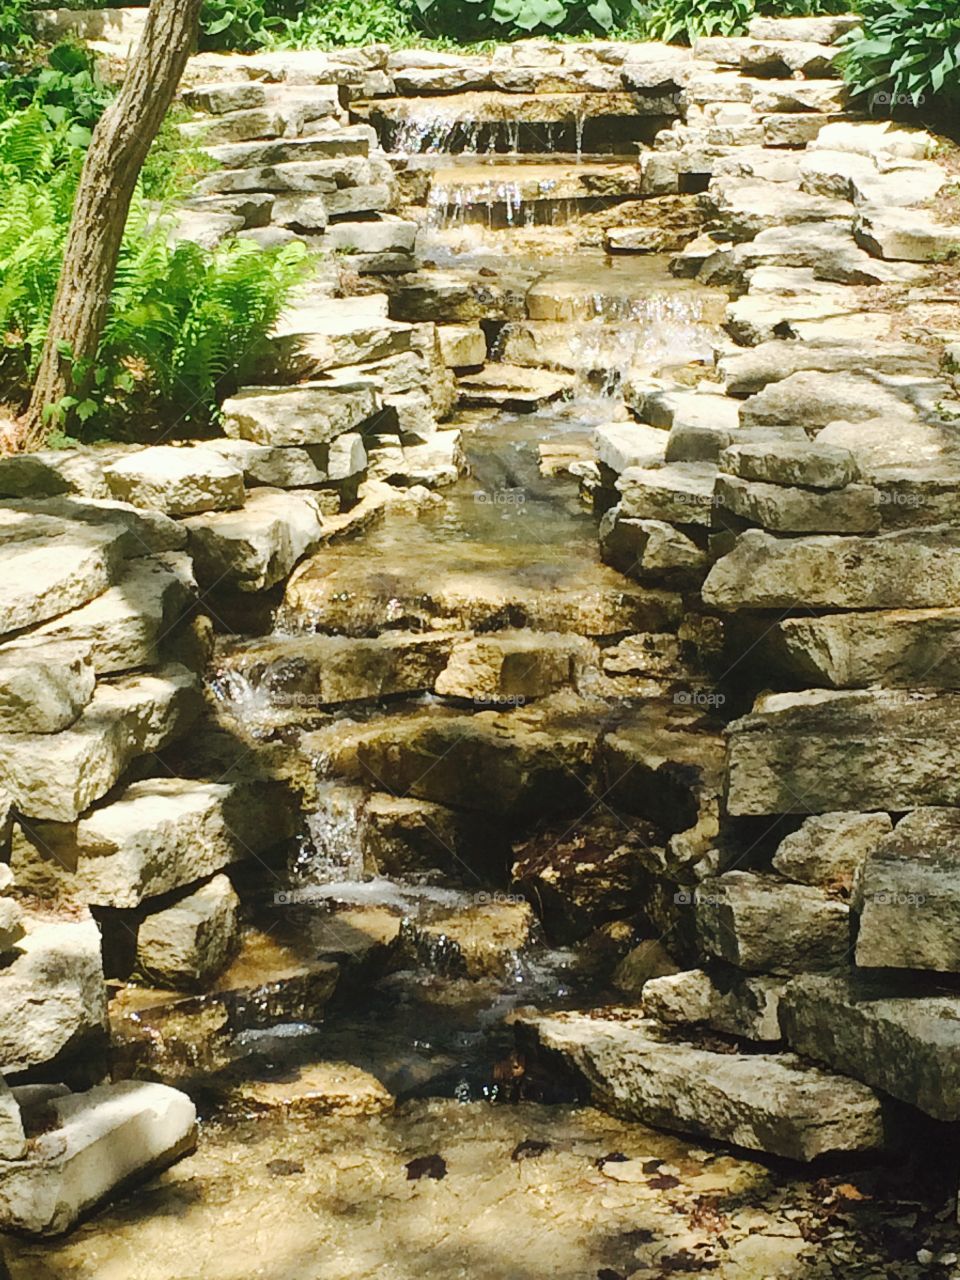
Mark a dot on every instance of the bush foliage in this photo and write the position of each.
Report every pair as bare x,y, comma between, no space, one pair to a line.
907,52
183,322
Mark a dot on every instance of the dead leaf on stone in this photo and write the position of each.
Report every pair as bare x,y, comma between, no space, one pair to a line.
615,1157
847,1191
528,1148
284,1168
663,1182
426,1167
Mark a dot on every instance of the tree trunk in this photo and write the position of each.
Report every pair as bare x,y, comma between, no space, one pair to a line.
117,151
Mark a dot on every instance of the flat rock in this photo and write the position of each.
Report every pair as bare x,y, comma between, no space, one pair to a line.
821,752
50,472
620,445
189,942
791,462
855,509
908,895
318,1089
179,482
906,235
764,925
48,566
139,532
915,568
763,1102
57,776
54,1001
156,836
906,1046
877,138
124,628
512,666
100,1140
827,849
680,493
314,671
893,647
746,372
255,548
463,345
313,413
815,399
44,684
732,1004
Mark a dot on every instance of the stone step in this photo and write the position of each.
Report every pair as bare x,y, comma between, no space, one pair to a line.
474,189
96,1141
450,297
140,532
177,481
630,444
855,509
308,414
54,999
47,473
734,1005
316,334
744,209
125,627
255,548
156,836
821,30
227,97
827,248
512,388
346,167
338,141
747,372
678,492
330,465
451,587
186,1039
906,1045
762,924
763,1102
894,648
823,751
49,566
303,674
908,896
44,684
909,569
485,940
57,776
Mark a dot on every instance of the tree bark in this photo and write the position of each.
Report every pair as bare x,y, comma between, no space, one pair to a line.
115,157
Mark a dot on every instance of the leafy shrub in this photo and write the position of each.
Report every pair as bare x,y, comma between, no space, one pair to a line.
67,87
344,23
500,19
905,52
243,24
14,30
183,322
673,20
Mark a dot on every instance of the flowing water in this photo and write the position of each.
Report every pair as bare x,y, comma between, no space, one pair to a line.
486,1169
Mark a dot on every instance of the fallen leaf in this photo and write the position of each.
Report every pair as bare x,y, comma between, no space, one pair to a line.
528,1148
426,1167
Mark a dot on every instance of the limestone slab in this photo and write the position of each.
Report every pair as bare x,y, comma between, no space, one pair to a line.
54,1000
156,836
